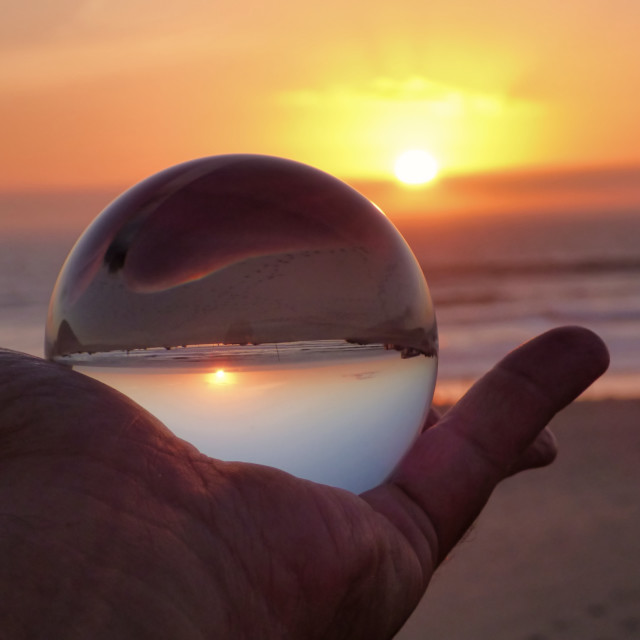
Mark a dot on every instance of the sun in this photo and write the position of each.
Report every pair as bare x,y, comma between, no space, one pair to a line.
416,167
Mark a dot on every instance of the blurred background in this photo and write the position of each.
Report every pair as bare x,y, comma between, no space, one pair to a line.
522,206
522,209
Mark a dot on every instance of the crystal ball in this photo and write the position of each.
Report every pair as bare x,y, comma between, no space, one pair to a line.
262,309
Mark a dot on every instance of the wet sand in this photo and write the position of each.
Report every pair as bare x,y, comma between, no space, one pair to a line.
556,554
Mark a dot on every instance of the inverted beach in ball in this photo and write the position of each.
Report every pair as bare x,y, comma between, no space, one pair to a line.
239,249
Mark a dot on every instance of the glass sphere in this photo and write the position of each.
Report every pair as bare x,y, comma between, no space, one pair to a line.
262,309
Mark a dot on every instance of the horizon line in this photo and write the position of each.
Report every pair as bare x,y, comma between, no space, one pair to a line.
522,174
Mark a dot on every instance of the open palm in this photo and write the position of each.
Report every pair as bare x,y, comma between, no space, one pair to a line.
111,527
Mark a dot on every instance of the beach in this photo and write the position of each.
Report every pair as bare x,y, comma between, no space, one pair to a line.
520,203
556,553
496,280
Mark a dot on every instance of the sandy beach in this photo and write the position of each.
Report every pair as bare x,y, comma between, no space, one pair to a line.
556,553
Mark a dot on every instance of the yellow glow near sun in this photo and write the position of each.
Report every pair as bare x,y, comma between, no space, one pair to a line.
416,167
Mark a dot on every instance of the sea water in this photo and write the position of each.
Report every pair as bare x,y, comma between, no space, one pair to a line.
522,275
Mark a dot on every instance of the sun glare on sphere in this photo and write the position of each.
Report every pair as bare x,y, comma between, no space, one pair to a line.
416,167
219,377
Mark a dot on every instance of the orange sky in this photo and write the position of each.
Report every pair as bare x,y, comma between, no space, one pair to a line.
97,92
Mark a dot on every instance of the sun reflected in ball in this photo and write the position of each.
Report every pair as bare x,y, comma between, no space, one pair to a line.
220,378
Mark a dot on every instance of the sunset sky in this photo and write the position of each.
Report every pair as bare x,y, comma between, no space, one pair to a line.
100,93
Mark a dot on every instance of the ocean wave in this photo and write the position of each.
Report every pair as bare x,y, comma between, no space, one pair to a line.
558,266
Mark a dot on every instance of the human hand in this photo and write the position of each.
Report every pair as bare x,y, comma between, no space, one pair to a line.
111,527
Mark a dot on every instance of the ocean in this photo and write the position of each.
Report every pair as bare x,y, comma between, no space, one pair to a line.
499,281
496,280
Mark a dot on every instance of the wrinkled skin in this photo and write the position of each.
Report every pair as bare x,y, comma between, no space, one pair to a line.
111,527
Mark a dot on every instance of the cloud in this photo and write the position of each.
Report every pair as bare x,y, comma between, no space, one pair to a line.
416,91
37,22
24,25
77,40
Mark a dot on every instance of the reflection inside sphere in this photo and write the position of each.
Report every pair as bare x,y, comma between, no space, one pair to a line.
262,309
